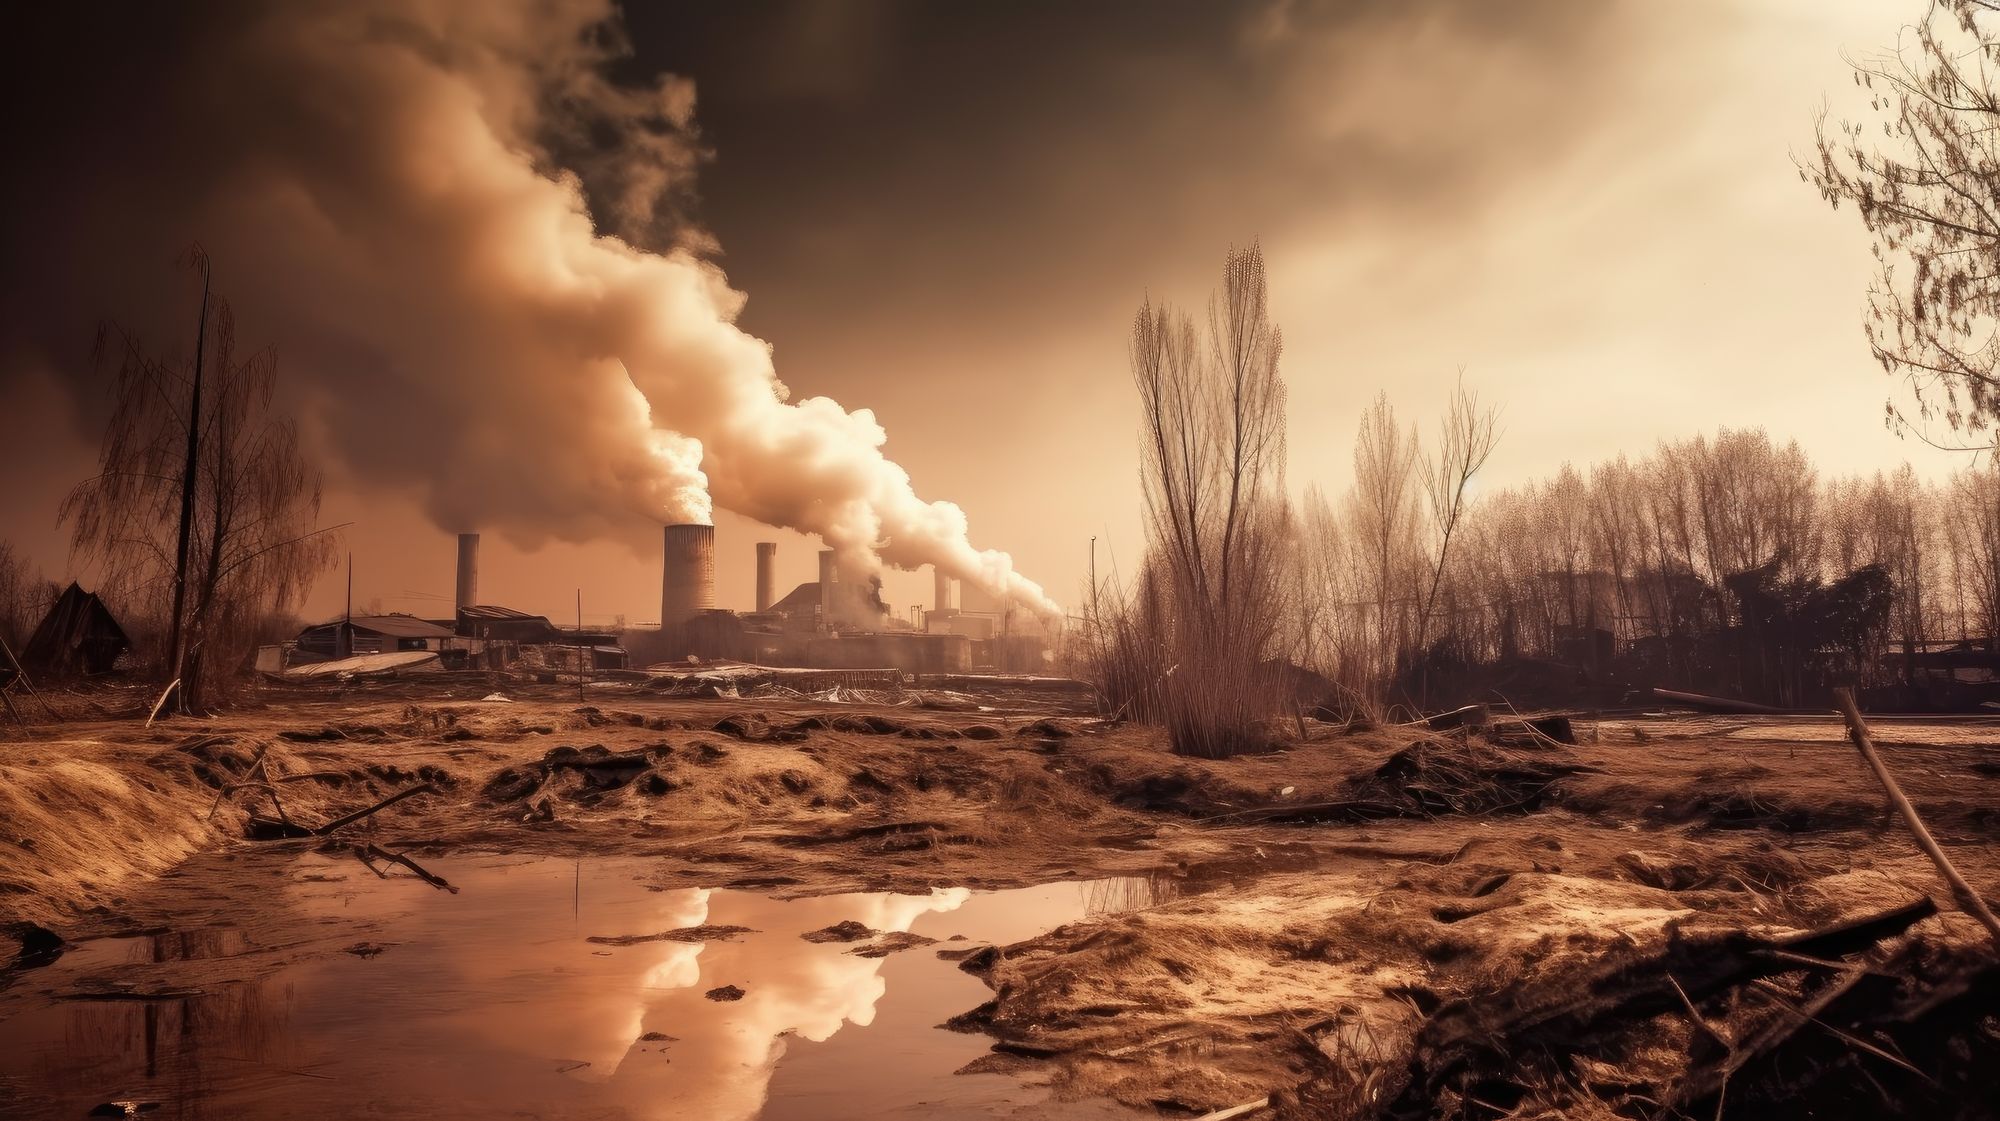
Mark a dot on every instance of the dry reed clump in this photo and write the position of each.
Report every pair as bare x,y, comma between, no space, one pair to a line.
1214,694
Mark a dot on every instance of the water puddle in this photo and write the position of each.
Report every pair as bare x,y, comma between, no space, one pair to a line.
535,990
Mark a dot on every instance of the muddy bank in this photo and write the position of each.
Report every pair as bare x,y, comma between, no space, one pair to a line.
1311,909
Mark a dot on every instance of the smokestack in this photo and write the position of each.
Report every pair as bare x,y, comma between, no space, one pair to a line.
942,591
826,585
468,571
767,576
687,574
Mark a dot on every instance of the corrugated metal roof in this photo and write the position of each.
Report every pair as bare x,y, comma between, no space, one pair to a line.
491,612
399,626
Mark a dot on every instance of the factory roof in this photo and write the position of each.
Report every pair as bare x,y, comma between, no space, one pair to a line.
490,612
803,599
393,626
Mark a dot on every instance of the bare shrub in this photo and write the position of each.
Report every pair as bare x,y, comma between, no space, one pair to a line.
1188,648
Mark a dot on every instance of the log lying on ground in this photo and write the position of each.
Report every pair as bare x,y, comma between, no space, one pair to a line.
1728,705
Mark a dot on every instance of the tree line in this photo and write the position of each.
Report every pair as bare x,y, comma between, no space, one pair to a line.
1720,562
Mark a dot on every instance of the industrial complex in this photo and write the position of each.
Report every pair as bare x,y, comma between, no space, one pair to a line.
838,621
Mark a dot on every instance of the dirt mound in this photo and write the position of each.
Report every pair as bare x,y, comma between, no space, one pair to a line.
1763,809
581,774
846,930
1434,777
756,727
1671,1023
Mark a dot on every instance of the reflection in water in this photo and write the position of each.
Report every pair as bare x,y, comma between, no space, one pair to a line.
108,1039
493,1000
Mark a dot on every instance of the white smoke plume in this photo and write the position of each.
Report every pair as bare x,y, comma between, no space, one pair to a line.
396,191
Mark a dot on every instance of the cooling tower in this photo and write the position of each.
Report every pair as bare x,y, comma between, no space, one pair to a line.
826,570
767,576
687,573
942,591
468,570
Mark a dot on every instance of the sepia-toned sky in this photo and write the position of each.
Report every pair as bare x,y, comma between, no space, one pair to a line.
947,213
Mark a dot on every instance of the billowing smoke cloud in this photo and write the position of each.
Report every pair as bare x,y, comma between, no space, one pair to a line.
472,247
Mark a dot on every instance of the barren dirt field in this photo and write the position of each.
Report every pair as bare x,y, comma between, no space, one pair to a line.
669,907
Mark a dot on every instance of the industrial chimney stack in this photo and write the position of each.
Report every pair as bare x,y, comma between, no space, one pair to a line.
687,573
767,576
826,571
468,571
941,591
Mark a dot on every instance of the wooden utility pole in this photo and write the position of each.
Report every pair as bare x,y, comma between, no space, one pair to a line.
1093,580
189,475
343,647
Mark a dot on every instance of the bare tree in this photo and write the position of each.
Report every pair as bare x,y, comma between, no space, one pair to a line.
246,509
1212,471
1384,521
1466,438
1928,189
23,597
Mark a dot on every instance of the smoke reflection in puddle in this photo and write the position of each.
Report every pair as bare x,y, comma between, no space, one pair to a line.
496,1000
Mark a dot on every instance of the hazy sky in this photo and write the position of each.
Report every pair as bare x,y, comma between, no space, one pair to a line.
948,213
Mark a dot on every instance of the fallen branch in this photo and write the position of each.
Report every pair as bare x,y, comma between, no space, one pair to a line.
1968,899
357,815
226,790
1243,1110
424,874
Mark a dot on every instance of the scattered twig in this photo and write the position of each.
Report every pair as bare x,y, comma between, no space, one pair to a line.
1822,963
361,854
1243,1110
427,876
1700,1020
1968,899
1780,997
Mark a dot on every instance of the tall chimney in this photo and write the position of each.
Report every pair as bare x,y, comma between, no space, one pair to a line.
468,571
767,576
687,574
942,590
826,570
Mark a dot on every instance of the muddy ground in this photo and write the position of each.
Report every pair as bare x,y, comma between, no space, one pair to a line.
1318,903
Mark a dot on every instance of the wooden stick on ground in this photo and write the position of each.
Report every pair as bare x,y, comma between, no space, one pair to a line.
1968,899
426,875
1243,1110
357,815
162,702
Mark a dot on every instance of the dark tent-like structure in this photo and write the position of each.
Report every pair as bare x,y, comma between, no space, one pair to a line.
77,636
